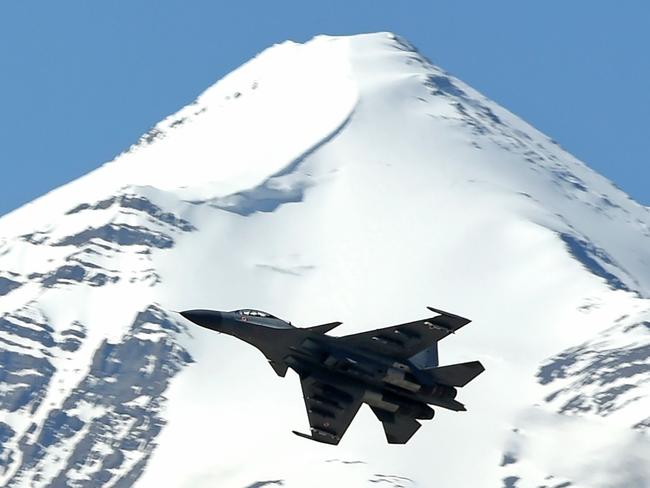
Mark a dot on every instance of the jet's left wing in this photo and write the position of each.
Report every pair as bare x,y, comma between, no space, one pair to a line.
405,340
331,407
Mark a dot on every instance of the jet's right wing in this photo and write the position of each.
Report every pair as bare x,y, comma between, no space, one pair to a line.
330,408
405,340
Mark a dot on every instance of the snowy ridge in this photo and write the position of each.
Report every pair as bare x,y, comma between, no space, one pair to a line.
349,179
605,376
89,414
206,145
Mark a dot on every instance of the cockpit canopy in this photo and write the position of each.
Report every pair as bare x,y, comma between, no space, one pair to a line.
255,313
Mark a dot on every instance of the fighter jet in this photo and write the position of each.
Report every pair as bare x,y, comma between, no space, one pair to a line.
394,370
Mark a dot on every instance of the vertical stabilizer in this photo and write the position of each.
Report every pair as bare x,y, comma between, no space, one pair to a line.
427,358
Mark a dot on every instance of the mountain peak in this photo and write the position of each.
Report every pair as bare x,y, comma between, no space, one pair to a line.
344,179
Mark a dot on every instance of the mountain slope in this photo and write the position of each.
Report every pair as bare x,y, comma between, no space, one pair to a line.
343,179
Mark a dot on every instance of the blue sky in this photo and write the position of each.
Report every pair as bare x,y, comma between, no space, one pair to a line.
82,80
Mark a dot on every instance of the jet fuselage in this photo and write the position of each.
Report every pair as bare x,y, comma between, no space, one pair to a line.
394,386
394,370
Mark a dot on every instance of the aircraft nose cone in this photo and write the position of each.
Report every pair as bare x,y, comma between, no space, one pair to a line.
210,319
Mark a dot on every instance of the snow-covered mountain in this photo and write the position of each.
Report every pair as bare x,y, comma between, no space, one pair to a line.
348,179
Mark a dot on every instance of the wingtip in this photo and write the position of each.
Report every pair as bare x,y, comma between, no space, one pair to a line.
334,441
460,318
442,312
300,434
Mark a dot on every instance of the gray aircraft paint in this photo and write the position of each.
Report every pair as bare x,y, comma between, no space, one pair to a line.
394,370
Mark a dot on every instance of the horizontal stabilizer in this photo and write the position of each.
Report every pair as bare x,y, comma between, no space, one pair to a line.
324,328
398,428
456,374
280,368
449,404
